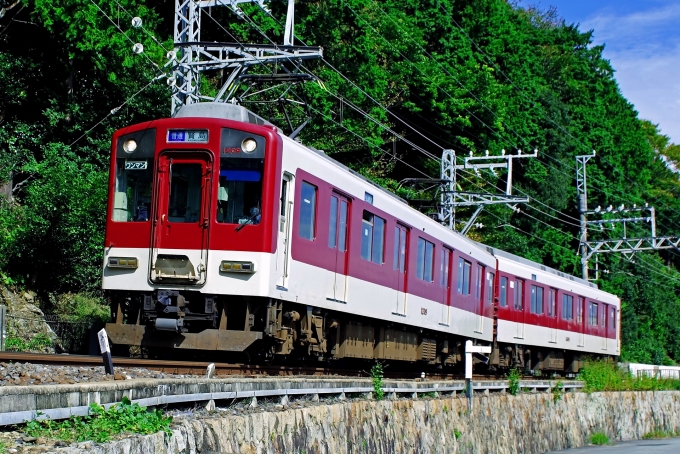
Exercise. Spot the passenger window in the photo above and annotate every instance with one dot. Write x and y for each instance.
(478, 283)
(337, 231)
(567, 307)
(603, 315)
(612, 318)
(519, 295)
(373, 238)
(579, 311)
(464, 268)
(504, 292)
(425, 258)
(307, 211)
(536, 300)
(592, 314)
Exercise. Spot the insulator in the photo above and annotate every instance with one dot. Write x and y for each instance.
(136, 22)
(138, 48)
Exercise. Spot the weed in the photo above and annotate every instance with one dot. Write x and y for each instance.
(656, 434)
(599, 438)
(606, 376)
(101, 424)
(3, 447)
(445, 409)
(456, 433)
(39, 342)
(557, 392)
(513, 381)
(377, 376)
(430, 394)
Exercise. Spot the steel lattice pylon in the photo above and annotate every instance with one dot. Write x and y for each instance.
(191, 57)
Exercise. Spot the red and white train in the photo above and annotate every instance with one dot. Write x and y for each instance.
(225, 235)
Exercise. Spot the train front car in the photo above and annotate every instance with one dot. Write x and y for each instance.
(191, 230)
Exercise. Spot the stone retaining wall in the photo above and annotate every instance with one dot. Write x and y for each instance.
(528, 423)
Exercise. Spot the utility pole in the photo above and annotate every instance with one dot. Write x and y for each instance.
(191, 57)
(450, 198)
(623, 245)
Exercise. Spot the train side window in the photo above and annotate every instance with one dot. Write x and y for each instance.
(333, 224)
(444, 265)
(489, 287)
(603, 315)
(307, 211)
(504, 292)
(399, 248)
(536, 300)
(519, 295)
(567, 307)
(612, 318)
(552, 303)
(372, 238)
(464, 268)
(592, 314)
(579, 311)
(425, 259)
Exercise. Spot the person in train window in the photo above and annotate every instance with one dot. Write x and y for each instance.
(255, 215)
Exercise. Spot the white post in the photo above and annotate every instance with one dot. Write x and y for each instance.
(469, 350)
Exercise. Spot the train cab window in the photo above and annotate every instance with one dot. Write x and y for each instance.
(239, 194)
(372, 238)
(307, 211)
(425, 259)
(503, 297)
(186, 184)
(552, 303)
(592, 314)
(464, 268)
(132, 197)
(536, 300)
(337, 232)
(400, 248)
(567, 307)
(444, 266)
(489, 287)
(519, 295)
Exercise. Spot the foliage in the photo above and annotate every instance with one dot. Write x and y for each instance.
(466, 74)
(81, 307)
(377, 377)
(514, 377)
(101, 424)
(657, 434)
(457, 433)
(599, 438)
(37, 343)
(557, 392)
(606, 376)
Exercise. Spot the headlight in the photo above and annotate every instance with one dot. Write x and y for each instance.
(130, 145)
(237, 267)
(248, 145)
(122, 262)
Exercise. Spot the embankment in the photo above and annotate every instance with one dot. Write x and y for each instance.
(527, 423)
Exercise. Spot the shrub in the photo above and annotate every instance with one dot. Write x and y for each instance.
(513, 381)
(606, 376)
(377, 376)
(599, 438)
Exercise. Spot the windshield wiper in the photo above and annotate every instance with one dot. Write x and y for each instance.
(248, 221)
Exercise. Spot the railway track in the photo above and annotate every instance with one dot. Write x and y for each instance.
(223, 369)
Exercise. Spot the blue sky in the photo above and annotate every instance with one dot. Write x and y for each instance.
(642, 40)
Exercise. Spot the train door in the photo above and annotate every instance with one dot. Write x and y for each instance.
(479, 298)
(181, 222)
(445, 271)
(519, 307)
(337, 242)
(552, 314)
(283, 246)
(401, 251)
(611, 326)
(580, 322)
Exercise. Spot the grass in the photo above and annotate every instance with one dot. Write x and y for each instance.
(557, 392)
(101, 424)
(513, 381)
(377, 377)
(606, 376)
(656, 434)
(16, 344)
(599, 438)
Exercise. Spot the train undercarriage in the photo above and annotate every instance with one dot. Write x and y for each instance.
(269, 330)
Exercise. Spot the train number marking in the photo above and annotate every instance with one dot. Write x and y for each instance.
(423, 311)
(232, 150)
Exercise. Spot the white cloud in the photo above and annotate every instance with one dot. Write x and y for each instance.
(644, 48)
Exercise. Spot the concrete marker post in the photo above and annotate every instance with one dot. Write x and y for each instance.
(469, 350)
(105, 351)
